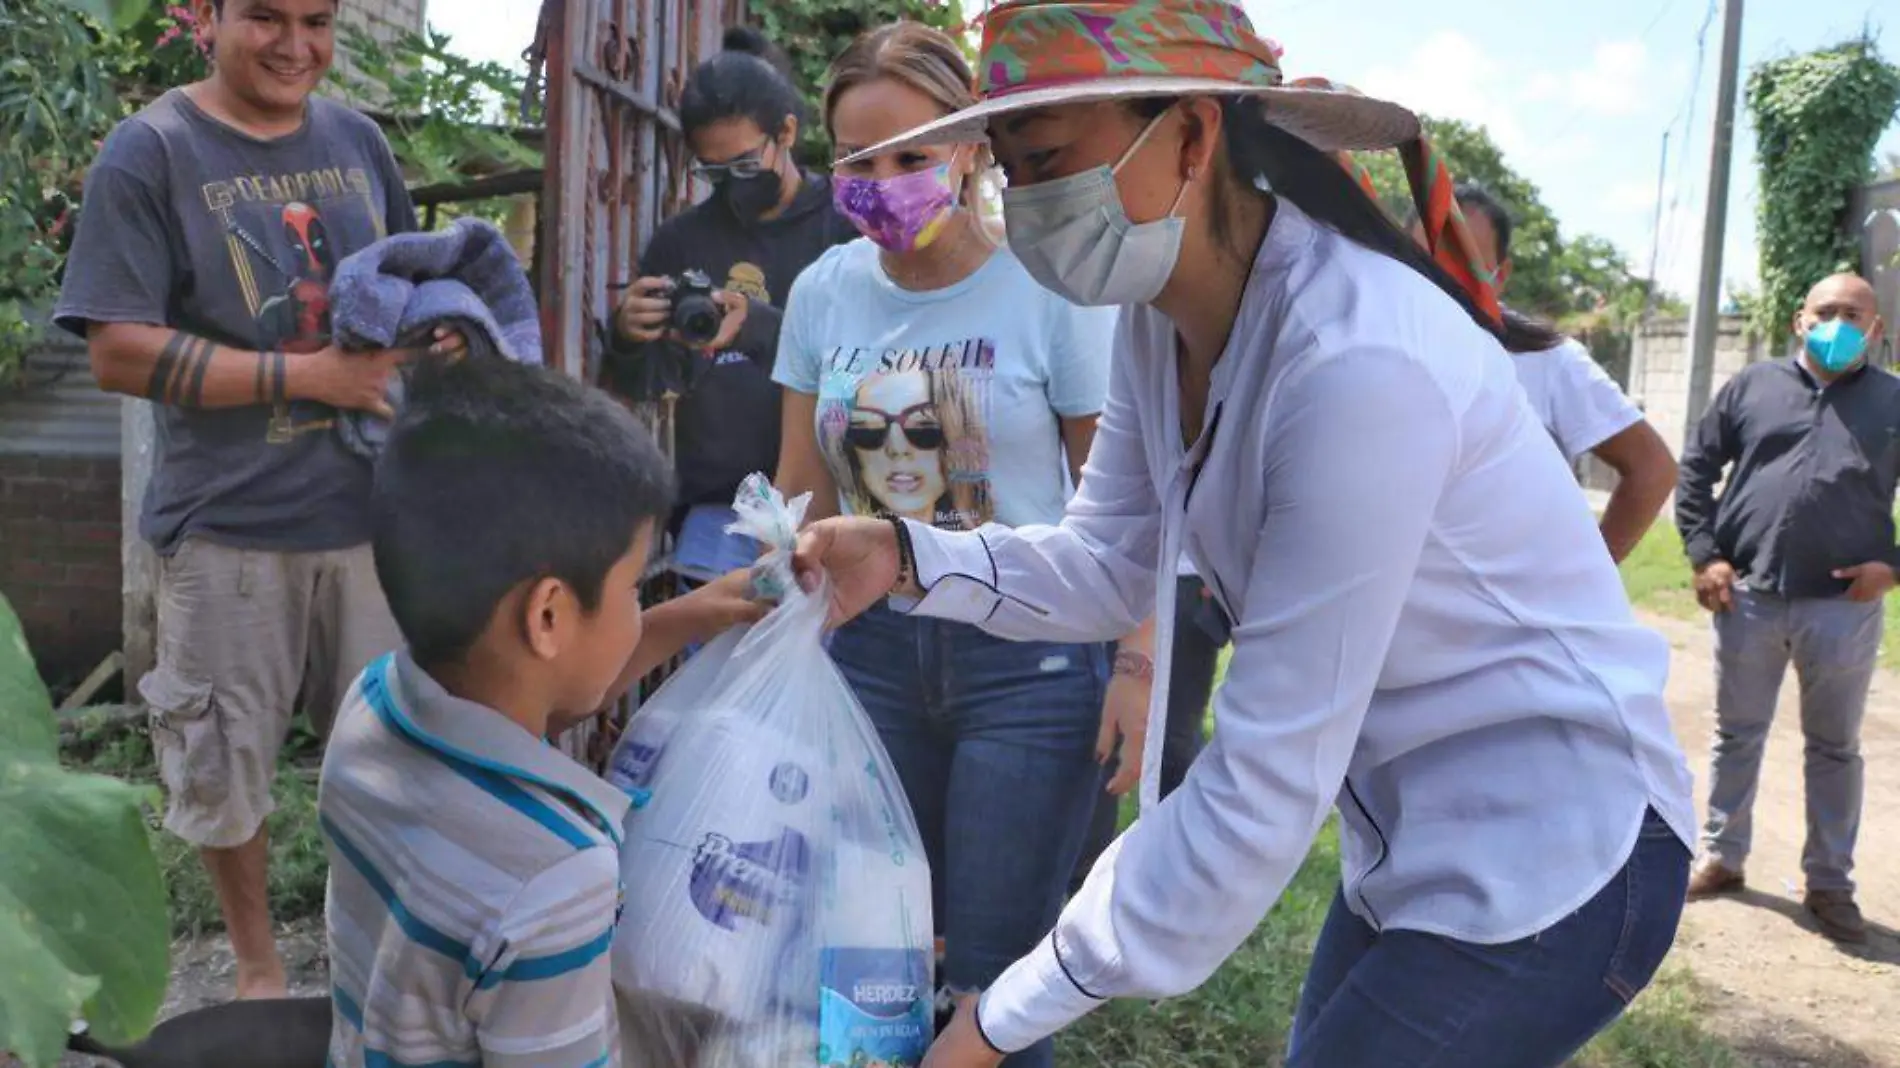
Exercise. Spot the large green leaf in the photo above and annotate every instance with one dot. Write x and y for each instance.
(26, 711)
(83, 931)
(115, 13)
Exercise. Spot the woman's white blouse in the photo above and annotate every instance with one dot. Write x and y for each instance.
(1429, 634)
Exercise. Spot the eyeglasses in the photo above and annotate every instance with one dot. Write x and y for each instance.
(868, 436)
(750, 165)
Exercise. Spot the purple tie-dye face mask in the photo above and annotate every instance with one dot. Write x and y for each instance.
(901, 214)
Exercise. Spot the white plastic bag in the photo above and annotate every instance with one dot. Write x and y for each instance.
(775, 881)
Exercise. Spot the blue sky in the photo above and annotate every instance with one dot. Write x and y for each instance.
(1577, 94)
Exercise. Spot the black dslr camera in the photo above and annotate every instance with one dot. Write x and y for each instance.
(696, 315)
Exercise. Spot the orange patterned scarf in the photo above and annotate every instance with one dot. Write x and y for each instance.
(1446, 236)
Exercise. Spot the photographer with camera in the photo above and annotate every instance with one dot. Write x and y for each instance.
(703, 320)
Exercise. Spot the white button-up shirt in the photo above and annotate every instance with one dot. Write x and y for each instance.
(1429, 634)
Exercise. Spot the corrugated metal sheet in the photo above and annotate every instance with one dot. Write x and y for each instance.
(58, 410)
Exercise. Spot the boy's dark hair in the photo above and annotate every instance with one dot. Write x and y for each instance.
(498, 474)
(1473, 197)
(751, 79)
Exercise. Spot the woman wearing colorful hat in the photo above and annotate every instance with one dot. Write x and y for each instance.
(1429, 635)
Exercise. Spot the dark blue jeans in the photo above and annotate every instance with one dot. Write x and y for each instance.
(994, 742)
(1200, 633)
(1403, 999)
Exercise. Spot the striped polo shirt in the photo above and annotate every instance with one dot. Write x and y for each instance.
(474, 886)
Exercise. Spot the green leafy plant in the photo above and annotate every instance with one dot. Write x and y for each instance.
(813, 32)
(163, 47)
(449, 115)
(83, 929)
(57, 99)
(1817, 118)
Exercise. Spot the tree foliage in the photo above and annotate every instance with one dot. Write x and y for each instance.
(1584, 279)
(57, 99)
(450, 115)
(1817, 118)
(813, 32)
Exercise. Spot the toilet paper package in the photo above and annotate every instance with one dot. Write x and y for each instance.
(636, 757)
(775, 882)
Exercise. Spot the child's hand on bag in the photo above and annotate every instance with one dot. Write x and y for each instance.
(727, 602)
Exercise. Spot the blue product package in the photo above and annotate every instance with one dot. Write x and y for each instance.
(874, 1008)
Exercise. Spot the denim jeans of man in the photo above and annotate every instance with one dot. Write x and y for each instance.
(1404, 999)
(994, 742)
(1834, 646)
(1200, 633)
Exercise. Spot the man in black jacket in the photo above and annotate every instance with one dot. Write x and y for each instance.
(1793, 560)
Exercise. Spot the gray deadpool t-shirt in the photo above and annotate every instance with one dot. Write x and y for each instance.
(191, 224)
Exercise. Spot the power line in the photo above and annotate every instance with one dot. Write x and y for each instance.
(1576, 112)
(1685, 112)
(1655, 228)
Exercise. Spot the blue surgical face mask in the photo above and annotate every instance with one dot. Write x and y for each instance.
(1835, 345)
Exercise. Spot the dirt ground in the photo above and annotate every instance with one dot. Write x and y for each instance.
(1782, 994)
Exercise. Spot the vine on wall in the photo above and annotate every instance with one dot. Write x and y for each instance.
(1817, 118)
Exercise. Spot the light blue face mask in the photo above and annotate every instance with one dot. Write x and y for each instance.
(1835, 345)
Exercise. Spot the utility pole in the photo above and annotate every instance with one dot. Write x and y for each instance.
(1706, 316)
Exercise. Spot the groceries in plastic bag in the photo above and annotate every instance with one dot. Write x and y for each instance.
(777, 896)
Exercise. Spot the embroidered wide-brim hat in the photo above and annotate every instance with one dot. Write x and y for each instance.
(1045, 53)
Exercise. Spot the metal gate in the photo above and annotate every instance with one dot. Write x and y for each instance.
(1876, 215)
(616, 162)
(611, 73)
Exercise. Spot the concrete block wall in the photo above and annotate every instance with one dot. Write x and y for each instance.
(385, 19)
(1659, 369)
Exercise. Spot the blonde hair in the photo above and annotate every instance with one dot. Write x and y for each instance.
(915, 55)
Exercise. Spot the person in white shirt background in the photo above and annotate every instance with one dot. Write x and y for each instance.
(1426, 631)
(1584, 409)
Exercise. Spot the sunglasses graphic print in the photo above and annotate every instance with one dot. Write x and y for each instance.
(906, 430)
(870, 428)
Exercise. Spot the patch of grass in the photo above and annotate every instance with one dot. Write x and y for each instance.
(1657, 575)
(1663, 1029)
(299, 866)
(1242, 1016)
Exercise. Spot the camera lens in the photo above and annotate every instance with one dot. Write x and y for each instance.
(697, 317)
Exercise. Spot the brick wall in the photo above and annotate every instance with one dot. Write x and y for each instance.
(59, 557)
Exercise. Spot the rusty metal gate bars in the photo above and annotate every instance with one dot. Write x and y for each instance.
(616, 166)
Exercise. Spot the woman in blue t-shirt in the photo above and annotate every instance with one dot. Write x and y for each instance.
(927, 376)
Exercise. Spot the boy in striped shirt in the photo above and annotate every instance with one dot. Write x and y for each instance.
(474, 876)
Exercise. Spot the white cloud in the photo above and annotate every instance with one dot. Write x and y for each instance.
(1449, 77)
(1614, 82)
(1634, 195)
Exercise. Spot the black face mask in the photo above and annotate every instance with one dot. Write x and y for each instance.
(750, 198)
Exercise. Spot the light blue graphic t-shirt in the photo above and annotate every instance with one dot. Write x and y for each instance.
(943, 406)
